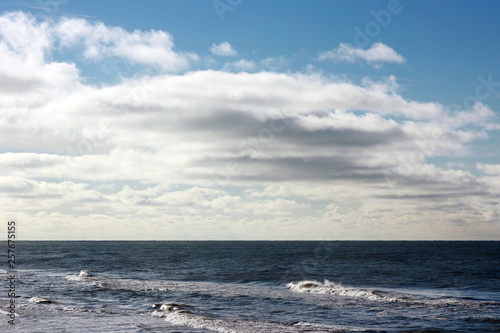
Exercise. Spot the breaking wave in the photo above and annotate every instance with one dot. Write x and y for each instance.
(331, 288)
(182, 315)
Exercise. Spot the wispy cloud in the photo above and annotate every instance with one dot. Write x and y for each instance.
(377, 54)
(240, 65)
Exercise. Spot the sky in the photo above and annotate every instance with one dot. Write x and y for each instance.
(250, 120)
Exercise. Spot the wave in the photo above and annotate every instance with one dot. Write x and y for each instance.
(306, 286)
(118, 284)
(212, 296)
(40, 300)
(185, 315)
(331, 288)
(179, 314)
(193, 287)
(84, 274)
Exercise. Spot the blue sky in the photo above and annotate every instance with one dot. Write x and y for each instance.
(250, 119)
(460, 34)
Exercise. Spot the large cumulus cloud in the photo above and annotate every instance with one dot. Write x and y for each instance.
(218, 154)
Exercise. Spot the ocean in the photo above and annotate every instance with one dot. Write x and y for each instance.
(254, 286)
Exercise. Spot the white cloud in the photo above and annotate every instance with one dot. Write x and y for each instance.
(222, 154)
(25, 77)
(275, 63)
(223, 49)
(489, 169)
(240, 65)
(377, 54)
(153, 48)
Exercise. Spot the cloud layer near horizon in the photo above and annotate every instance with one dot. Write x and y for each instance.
(209, 154)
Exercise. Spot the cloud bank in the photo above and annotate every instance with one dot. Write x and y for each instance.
(230, 154)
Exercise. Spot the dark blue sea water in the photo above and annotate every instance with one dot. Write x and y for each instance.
(256, 287)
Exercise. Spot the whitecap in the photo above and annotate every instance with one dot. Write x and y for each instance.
(40, 300)
(83, 273)
(331, 288)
